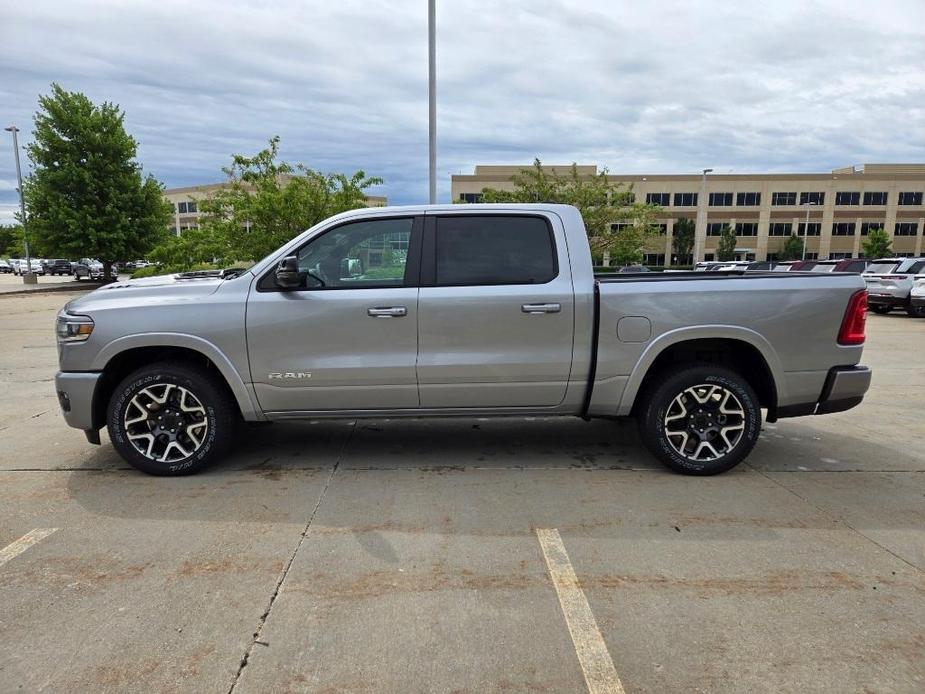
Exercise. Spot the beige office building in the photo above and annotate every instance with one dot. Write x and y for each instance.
(185, 203)
(841, 206)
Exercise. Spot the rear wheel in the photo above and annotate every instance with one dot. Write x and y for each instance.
(171, 419)
(879, 308)
(701, 420)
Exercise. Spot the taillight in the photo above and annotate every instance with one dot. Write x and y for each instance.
(892, 277)
(852, 325)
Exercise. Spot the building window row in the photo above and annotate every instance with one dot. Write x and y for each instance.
(910, 198)
(186, 207)
(470, 197)
(906, 229)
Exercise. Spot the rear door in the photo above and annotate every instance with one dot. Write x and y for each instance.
(495, 311)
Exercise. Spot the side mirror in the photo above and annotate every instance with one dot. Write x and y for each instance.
(287, 273)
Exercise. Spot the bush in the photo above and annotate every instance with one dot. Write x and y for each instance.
(155, 270)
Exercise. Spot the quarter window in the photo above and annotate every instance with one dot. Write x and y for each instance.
(478, 250)
(685, 199)
(748, 199)
(875, 198)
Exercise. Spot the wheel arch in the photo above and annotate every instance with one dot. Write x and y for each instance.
(742, 349)
(123, 356)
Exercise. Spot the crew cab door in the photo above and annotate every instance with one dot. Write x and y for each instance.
(346, 339)
(495, 311)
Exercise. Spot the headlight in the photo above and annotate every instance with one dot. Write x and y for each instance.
(73, 328)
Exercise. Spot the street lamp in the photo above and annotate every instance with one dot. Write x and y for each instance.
(432, 96)
(700, 227)
(28, 276)
(808, 204)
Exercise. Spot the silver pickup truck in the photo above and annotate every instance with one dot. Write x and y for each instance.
(456, 310)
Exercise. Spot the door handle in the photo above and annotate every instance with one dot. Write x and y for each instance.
(387, 312)
(541, 308)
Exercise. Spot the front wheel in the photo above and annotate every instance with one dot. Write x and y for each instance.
(700, 420)
(170, 418)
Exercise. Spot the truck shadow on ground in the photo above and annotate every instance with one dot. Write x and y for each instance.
(278, 472)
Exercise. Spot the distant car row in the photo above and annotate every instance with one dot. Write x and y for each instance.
(88, 268)
(891, 282)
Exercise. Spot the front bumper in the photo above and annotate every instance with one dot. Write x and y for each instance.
(75, 390)
(844, 388)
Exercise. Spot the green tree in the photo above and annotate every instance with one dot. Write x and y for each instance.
(614, 221)
(191, 247)
(682, 241)
(11, 240)
(793, 248)
(267, 202)
(726, 248)
(877, 244)
(86, 195)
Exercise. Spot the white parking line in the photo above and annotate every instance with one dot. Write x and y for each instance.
(596, 664)
(14, 549)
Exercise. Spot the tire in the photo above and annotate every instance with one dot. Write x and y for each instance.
(728, 401)
(915, 311)
(880, 308)
(185, 397)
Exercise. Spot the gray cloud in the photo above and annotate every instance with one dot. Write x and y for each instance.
(639, 87)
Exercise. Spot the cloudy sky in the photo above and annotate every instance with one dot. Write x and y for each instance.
(653, 86)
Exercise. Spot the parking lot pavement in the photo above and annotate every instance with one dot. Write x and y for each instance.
(404, 555)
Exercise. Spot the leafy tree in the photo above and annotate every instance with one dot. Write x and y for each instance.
(877, 244)
(11, 240)
(726, 248)
(793, 248)
(86, 195)
(267, 202)
(615, 222)
(682, 241)
(191, 247)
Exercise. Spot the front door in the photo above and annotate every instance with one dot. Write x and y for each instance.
(497, 320)
(347, 338)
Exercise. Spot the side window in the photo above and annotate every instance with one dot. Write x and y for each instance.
(505, 249)
(371, 253)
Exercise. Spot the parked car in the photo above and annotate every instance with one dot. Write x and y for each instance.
(57, 266)
(142, 263)
(35, 264)
(889, 284)
(856, 265)
(493, 310)
(634, 268)
(88, 268)
(5, 267)
(917, 296)
(760, 266)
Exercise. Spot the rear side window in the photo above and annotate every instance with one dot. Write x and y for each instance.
(473, 250)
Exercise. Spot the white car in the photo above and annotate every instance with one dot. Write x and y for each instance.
(917, 297)
(889, 283)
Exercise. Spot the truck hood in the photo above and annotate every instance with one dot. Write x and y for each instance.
(146, 291)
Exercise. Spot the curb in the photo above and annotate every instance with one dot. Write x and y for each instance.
(73, 287)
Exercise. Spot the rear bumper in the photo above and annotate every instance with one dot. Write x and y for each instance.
(75, 392)
(917, 301)
(844, 388)
(887, 300)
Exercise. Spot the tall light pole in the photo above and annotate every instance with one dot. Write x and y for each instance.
(432, 95)
(28, 276)
(700, 227)
(806, 228)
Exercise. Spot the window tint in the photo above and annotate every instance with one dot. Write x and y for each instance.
(881, 268)
(494, 250)
(910, 198)
(371, 253)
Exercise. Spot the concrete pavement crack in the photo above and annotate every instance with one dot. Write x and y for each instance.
(835, 519)
(285, 572)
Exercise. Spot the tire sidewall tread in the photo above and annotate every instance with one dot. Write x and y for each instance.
(659, 397)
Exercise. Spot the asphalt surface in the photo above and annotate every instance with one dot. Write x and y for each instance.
(405, 556)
